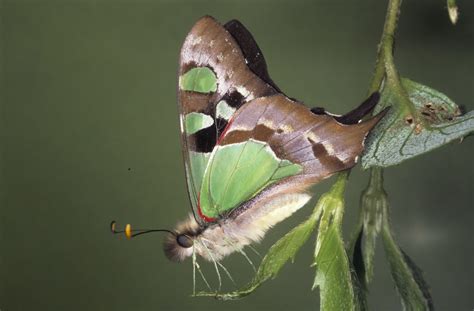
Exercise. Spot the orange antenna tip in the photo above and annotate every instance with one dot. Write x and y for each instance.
(128, 231)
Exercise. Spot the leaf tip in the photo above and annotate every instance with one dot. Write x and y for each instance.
(453, 13)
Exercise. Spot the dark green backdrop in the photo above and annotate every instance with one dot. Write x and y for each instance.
(90, 134)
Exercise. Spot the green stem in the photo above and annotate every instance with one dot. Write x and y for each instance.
(385, 65)
(386, 44)
(339, 189)
(340, 184)
(374, 195)
(376, 179)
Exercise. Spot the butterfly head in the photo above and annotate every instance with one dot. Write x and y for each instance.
(178, 244)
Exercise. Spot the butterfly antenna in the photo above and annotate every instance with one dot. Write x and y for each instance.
(131, 233)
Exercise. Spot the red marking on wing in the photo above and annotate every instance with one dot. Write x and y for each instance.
(200, 213)
(224, 131)
(203, 217)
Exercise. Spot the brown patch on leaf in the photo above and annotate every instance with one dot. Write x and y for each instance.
(418, 128)
(438, 113)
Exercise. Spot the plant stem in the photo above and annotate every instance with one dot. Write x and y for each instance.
(374, 195)
(385, 65)
(376, 178)
(385, 45)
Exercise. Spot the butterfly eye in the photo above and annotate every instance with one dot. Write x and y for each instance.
(184, 241)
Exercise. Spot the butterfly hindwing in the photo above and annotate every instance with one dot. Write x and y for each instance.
(319, 143)
(275, 140)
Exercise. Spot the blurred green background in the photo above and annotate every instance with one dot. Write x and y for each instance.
(89, 134)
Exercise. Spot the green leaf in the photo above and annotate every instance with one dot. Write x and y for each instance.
(421, 119)
(282, 251)
(358, 272)
(333, 273)
(408, 278)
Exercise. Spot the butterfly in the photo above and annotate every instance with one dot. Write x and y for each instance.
(250, 152)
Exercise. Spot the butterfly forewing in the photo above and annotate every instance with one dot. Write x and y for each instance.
(215, 80)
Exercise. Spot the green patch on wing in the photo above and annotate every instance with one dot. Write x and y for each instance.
(223, 110)
(199, 79)
(198, 166)
(196, 121)
(237, 172)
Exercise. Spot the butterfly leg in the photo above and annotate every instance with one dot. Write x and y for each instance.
(255, 251)
(215, 264)
(202, 276)
(194, 271)
(248, 259)
(227, 272)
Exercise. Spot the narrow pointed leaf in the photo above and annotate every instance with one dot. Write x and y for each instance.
(333, 271)
(333, 276)
(408, 278)
(358, 265)
(434, 121)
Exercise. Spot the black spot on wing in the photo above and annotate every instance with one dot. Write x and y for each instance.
(318, 110)
(204, 140)
(252, 53)
(234, 99)
(354, 116)
(220, 125)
